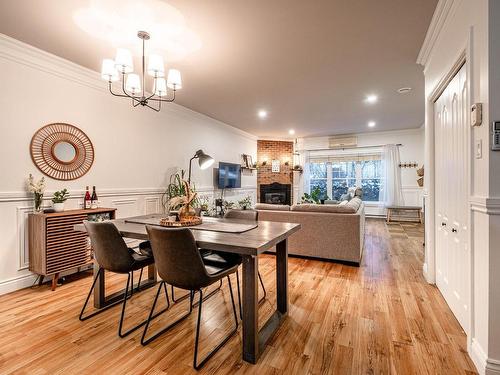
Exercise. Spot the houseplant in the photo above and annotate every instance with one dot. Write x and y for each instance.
(172, 198)
(245, 203)
(59, 198)
(37, 188)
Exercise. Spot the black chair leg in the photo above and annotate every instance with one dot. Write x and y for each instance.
(81, 317)
(151, 316)
(197, 365)
(120, 327)
(188, 294)
(263, 288)
(178, 299)
(140, 278)
(239, 293)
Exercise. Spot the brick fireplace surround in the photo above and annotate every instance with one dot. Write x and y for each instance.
(271, 150)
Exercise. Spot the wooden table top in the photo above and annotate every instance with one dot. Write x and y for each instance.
(252, 242)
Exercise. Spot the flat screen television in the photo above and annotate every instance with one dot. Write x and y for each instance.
(229, 176)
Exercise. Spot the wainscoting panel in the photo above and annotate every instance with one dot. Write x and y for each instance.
(22, 235)
(15, 207)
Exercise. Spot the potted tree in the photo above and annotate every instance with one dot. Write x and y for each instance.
(59, 198)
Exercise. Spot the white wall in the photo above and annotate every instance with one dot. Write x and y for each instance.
(412, 150)
(136, 149)
(471, 27)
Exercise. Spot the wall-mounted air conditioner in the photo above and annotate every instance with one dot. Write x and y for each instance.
(342, 142)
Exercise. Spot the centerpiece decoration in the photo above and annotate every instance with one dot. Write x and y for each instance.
(184, 199)
(37, 188)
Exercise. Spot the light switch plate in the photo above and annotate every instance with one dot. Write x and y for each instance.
(479, 148)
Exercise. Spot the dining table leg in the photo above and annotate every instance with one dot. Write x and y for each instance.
(255, 340)
(282, 276)
(250, 309)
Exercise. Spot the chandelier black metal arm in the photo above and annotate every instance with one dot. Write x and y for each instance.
(141, 98)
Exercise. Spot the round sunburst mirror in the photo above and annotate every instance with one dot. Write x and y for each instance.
(62, 151)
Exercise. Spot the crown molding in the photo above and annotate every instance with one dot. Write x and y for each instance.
(25, 54)
(441, 14)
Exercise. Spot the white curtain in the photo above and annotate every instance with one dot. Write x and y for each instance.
(391, 192)
(304, 160)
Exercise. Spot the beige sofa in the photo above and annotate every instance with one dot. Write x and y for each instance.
(333, 232)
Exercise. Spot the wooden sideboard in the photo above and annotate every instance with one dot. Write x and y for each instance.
(54, 246)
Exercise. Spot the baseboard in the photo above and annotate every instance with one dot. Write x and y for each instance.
(492, 367)
(425, 272)
(484, 365)
(16, 283)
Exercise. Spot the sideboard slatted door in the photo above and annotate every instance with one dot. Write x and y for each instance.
(54, 246)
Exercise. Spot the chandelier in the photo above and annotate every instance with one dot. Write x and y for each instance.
(133, 85)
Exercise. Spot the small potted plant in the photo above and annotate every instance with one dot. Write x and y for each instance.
(59, 198)
(245, 203)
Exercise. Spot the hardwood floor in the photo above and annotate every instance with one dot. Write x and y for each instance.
(380, 318)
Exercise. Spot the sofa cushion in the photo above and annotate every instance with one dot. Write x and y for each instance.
(331, 201)
(344, 208)
(272, 207)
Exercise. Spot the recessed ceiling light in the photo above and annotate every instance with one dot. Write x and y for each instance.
(370, 99)
(291, 132)
(404, 90)
(262, 113)
(372, 124)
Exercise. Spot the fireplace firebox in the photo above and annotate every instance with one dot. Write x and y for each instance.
(276, 193)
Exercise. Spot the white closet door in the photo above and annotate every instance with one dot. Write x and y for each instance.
(452, 249)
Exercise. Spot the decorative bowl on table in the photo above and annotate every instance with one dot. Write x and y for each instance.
(187, 221)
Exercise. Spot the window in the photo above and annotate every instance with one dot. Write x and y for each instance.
(371, 171)
(334, 176)
(343, 177)
(318, 177)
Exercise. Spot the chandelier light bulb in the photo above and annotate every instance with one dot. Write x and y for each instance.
(155, 66)
(160, 87)
(108, 71)
(123, 61)
(174, 79)
(133, 83)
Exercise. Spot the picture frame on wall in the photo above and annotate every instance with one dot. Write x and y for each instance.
(246, 161)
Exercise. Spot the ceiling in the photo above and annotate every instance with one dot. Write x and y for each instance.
(310, 64)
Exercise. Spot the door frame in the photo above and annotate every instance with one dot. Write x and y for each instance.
(429, 268)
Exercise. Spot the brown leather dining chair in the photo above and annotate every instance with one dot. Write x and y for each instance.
(180, 264)
(112, 254)
(219, 259)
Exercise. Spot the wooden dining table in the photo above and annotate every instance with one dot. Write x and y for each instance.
(249, 244)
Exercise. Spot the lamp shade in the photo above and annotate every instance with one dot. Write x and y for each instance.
(160, 87)
(155, 66)
(108, 71)
(133, 83)
(174, 79)
(204, 160)
(123, 61)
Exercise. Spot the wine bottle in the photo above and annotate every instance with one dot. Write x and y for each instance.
(87, 201)
(93, 200)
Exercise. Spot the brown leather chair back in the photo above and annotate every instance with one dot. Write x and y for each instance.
(110, 250)
(242, 214)
(177, 257)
